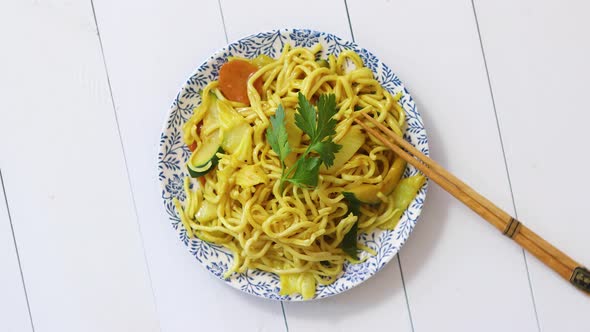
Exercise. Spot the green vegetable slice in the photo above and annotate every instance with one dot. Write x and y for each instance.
(348, 244)
(204, 158)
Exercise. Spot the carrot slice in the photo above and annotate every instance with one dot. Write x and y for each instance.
(202, 180)
(233, 80)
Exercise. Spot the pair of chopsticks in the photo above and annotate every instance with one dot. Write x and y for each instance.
(561, 263)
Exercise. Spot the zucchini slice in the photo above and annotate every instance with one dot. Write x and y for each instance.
(204, 158)
(365, 193)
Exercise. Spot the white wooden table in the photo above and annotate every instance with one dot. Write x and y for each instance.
(84, 88)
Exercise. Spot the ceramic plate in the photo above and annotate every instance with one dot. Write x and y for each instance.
(174, 154)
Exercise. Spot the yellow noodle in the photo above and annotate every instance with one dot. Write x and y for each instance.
(294, 230)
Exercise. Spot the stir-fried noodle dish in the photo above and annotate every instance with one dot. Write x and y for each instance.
(282, 176)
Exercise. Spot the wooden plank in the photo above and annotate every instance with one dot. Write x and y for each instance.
(150, 49)
(13, 302)
(380, 300)
(460, 273)
(70, 203)
(538, 63)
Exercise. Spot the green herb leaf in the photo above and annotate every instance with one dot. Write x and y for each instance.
(306, 172)
(277, 136)
(327, 151)
(321, 142)
(348, 244)
(354, 205)
(326, 121)
(319, 125)
(305, 118)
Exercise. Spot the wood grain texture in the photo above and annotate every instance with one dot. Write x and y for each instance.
(76, 217)
(79, 245)
(458, 270)
(537, 56)
(150, 49)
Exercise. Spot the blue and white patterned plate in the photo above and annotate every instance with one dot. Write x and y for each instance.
(174, 154)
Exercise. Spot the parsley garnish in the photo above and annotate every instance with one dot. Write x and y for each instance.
(277, 134)
(320, 126)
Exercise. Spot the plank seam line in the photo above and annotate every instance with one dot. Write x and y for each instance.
(20, 268)
(133, 202)
(349, 21)
(401, 272)
(284, 316)
(223, 20)
(485, 62)
(399, 262)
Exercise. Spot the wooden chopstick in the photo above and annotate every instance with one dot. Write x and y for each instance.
(561, 263)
